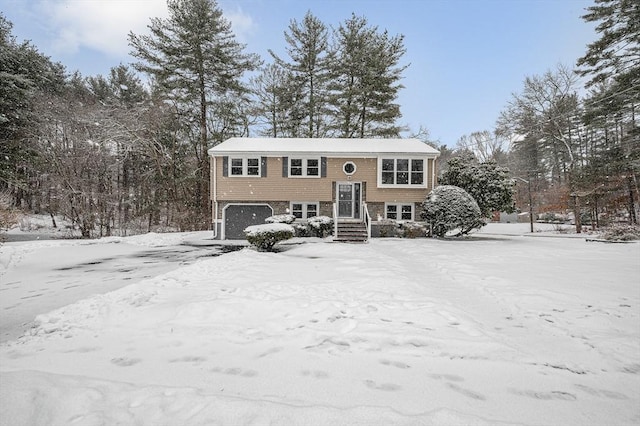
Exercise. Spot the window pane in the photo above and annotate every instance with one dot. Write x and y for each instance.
(387, 178)
(312, 210)
(417, 165)
(416, 178)
(392, 211)
(312, 168)
(236, 166)
(402, 178)
(253, 167)
(296, 210)
(406, 211)
(296, 167)
(403, 165)
(387, 164)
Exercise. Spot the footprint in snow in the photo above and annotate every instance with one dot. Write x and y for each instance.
(466, 392)
(189, 358)
(318, 374)
(389, 387)
(271, 351)
(565, 396)
(396, 364)
(235, 371)
(602, 392)
(448, 377)
(125, 362)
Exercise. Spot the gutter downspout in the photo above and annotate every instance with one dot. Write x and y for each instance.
(433, 173)
(215, 198)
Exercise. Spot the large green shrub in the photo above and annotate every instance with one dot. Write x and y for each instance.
(450, 208)
(264, 237)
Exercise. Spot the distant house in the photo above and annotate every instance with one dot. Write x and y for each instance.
(358, 182)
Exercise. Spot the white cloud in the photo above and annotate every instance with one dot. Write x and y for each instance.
(101, 25)
(242, 24)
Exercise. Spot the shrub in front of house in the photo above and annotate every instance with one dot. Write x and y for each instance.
(320, 226)
(450, 208)
(412, 229)
(264, 237)
(302, 230)
(281, 218)
(388, 228)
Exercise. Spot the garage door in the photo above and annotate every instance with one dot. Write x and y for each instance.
(239, 216)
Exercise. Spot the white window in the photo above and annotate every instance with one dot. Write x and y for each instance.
(398, 211)
(304, 209)
(244, 167)
(304, 167)
(401, 171)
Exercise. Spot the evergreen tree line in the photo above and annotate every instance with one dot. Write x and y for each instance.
(116, 154)
(575, 147)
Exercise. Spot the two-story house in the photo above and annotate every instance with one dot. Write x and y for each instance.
(351, 180)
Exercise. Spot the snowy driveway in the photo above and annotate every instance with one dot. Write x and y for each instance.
(38, 277)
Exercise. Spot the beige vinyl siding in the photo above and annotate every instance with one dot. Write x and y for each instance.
(272, 187)
(276, 187)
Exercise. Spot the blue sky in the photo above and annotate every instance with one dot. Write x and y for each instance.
(466, 57)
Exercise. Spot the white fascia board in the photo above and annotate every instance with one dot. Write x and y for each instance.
(336, 148)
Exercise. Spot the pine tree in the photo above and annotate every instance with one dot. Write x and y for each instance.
(310, 61)
(197, 63)
(613, 64)
(25, 76)
(616, 54)
(365, 80)
(273, 101)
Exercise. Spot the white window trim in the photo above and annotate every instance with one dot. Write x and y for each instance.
(399, 211)
(305, 161)
(245, 166)
(304, 208)
(425, 164)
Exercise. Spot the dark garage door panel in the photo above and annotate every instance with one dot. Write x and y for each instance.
(238, 217)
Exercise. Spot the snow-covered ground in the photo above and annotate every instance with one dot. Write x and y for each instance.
(38, 277)
(494, 329)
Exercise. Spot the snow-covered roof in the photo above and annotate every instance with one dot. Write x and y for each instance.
(323, 146)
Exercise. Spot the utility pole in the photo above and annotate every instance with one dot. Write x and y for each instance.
(528, 182)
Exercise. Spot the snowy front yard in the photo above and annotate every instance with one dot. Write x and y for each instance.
(494, 329)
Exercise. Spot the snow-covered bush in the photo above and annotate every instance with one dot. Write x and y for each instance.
(388, 228)
(412, 229)
(320, 226)
(302, 230)
(401, 229)
(448, 208)
(621, 233)
(490, 185)
(264, 237)
(281, 218)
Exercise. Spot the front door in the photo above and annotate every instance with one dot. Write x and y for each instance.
(349, 199)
